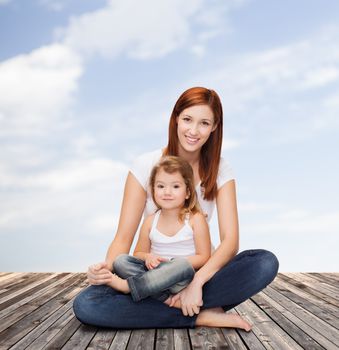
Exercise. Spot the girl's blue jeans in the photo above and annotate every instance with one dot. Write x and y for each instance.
(167, 278)
(245, 275)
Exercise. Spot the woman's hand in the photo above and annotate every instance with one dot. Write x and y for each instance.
(152, 261)
(99, 274)
(190, 298)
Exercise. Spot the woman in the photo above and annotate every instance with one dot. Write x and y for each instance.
(227, 279)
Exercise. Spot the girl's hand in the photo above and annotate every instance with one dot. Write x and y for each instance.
(190, 299)
(152, 261)
(99, 274)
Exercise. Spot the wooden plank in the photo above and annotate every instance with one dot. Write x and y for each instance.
(305, 341)
(18, 297)
(20, 329)
(324, 279)
(52, 331)
(333, 275)
(317, 324)
(102, 340)
(43, 333)
(313, 283)
(323, 304)
(61, 338)
(19, 281)
(81, 338)
(304, 302)
(62, 315)
(25, 299)
(141, 339)
(164, 339)
(242, 340)
(232, 339)
(6, 279)
(207, 338)
(181, 339)
(308, 289)
(20, 289)
(305, 328)
(267, 331)
(120, 340)
(24, 310)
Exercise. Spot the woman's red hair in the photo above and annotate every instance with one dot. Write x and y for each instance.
(211, 150)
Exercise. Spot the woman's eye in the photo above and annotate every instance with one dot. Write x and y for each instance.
(206, 124)
(186, 119)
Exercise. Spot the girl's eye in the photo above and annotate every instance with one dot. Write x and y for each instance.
(160, 186)
(176, 186)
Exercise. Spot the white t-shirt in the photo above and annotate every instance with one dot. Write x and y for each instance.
(143, 166)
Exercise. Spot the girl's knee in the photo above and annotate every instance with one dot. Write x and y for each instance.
(119, 262)
(182, 264)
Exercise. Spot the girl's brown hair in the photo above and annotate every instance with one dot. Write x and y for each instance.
(210, 152)
(171, 165)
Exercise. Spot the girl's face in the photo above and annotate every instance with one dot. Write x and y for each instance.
(195, 125)
(170, 190)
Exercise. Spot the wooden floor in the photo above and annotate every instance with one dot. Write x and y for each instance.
(297, 311)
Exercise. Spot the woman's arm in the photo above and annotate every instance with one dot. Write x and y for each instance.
(132, 207)
(191, 296)
(202, 241)
(228, 231)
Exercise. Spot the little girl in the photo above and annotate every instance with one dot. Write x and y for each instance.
(173, 242)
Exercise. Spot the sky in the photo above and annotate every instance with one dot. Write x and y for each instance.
(86, 86)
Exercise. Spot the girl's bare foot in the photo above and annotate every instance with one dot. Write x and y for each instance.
(119, 284)
(217, 317)
(177, 304)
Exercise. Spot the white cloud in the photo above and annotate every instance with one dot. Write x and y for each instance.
(297, 222)
(320, 77)
(228, 144)
(37, 88)
(53, 5)
(280, 84)
(77, 190)
(147, 29)
(73, 174)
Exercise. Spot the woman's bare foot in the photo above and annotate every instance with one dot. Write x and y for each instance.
(217, 317)
(119, 284)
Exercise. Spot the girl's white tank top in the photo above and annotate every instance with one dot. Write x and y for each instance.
(180, 245)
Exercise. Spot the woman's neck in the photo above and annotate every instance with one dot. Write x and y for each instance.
(192, 158)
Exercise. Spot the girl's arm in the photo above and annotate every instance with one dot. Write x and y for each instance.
(143, 246)
(202, 241)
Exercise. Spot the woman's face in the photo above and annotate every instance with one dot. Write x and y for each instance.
(195, 125)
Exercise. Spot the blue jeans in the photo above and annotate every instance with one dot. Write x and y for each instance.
(245, 275)
(167, 278)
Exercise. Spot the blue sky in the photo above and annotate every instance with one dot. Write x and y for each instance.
(86, 86)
